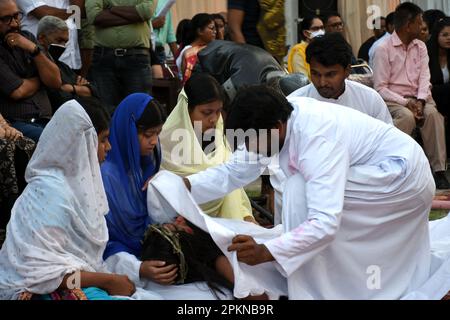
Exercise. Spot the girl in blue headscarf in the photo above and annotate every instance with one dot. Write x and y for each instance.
(134, 159)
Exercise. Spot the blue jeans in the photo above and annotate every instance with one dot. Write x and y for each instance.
(118, 77)
(30, 130)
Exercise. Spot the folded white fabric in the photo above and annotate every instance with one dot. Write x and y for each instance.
(168, 197)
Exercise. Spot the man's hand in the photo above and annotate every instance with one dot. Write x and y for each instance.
(416, 107)
(9, 133)
(15, 39)
(158, 272)
(120, 285)
(249, 252)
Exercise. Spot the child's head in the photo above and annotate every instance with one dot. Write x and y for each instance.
(149, 126)
(205, 100)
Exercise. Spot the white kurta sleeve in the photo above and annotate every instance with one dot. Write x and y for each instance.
(215, 183)
(324, 164)
(127, 264)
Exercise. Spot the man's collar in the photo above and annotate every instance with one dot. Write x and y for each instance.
(397, 42)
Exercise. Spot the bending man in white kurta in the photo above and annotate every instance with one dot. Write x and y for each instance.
(356, 201)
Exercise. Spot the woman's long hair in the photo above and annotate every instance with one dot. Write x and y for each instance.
(433, 51)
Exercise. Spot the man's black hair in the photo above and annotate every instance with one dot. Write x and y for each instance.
(329, 15)
(405, 13)
(329, 50)
(390, 19)
(258, 107)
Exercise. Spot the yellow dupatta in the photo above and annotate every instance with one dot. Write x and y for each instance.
(183, 155)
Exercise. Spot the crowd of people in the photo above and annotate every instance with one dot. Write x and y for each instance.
(82, 137)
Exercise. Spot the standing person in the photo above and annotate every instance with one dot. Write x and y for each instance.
(358, 193)
(64, 235)
(402, 78)
(243, 17)
(24, 71)
(164, 33)
(439, 53)
(310, 28)
(121, 58)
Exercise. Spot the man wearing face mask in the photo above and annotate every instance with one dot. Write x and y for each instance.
(24, 73)
(53, 35)
(310, 28)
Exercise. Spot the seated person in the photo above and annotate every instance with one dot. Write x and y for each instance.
(402, 78)
(198, 114)
(390, 28)
(134, 159)
(310, 28)
(203, 31)
(24, 73)
(53, 35)
(57, 233)
(193, 250)
(15, 152)
(330, 59)
(333, 22)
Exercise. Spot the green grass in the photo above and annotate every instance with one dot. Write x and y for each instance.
(438, 214)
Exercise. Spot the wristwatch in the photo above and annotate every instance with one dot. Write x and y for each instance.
(35, 52)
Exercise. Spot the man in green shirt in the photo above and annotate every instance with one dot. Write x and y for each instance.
(163, 30)
(121, 60)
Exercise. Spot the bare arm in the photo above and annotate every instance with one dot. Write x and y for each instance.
(127, 12)
(106, 19)
(28, 88)
(113, 284)
(235, 21)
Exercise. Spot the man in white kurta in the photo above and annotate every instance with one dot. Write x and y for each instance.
(330, 59)
(355, 207)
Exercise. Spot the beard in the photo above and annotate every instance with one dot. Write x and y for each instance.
(11, 30)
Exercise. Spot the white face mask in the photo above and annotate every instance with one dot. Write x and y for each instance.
(317, 33)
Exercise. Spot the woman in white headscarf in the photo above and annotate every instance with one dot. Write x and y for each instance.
(57, 233)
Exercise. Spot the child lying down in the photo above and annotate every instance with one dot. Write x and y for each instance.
(194, 252)
(167, 199)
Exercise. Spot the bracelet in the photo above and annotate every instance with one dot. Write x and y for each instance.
(35, 52)
(74, 92)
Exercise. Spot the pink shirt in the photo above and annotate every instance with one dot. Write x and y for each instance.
(401, 71)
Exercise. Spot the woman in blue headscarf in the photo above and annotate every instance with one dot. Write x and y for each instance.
(134, 159)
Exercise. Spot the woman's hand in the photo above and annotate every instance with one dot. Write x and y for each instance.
(9, 133)
(158, 272)
(120, 285)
